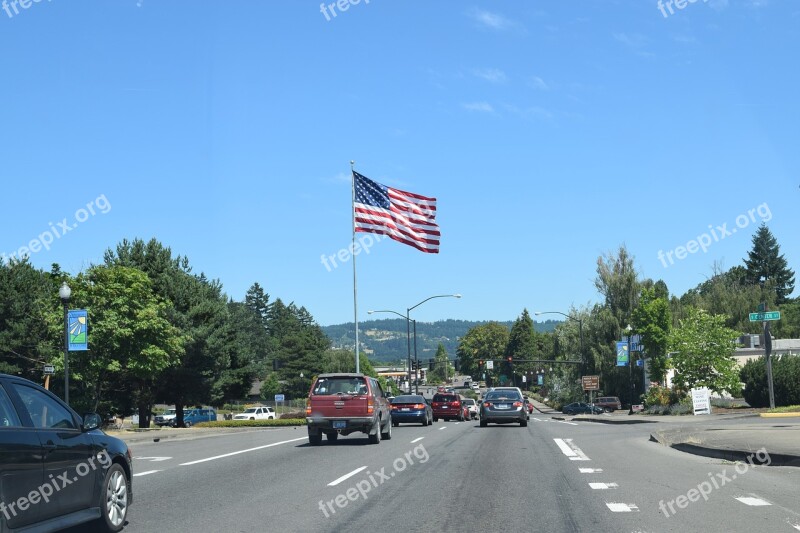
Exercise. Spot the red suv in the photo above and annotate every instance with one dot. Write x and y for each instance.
(448, 405)
(340, 404)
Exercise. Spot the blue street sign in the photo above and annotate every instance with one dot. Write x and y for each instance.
(639, 362)
(78, 337)
(279, 397)
(540, 379)
(623, 357)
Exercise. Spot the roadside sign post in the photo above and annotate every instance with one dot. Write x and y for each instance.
(49, 370)
(766, 317)
(590, 383)
(279, 398)
(701, 401)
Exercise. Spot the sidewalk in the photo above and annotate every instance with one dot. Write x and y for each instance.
(780, 440)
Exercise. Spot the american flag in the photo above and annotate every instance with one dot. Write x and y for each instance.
(403, 216)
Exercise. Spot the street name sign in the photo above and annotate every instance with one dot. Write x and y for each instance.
(768, 315)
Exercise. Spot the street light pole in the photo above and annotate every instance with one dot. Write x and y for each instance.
(629, 331)
(416, 361)
(64, 292)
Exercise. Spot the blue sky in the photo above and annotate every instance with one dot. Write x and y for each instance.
(550, 133)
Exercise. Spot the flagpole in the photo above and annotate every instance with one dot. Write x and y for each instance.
(355, 284)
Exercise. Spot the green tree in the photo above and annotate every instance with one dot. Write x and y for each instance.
(521, 341)
(764, 261)
(703, 353)
(336, 360)
(441, 368)
(270, 387)
(653, 320)
(486, 341)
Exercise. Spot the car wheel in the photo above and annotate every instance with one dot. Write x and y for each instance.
(435, 419)
(608, 410)
(113, 500)
(187, 424)
(523, 423)
(387, 435)
(332, 436)
(251, 418)
(483, 422)
(376, 437)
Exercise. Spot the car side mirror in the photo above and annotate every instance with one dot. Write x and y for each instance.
(524, 397)
(91, 421)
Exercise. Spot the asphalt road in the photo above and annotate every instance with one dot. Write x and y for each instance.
(550, 476)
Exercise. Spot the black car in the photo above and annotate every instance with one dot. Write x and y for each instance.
(58, 470)
(578, 408)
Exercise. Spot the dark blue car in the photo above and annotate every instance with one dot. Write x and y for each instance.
(411, 408)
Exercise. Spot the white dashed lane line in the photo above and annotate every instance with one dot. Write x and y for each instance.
(570, 450)
(346, 476)
(417, 440)
(242, 451)
(603, 486)
(146, 473)
(591, 470)
(622, 507)
(752, 501)
(443, 427)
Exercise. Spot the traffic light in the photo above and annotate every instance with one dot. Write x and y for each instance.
(430, 364)
(480, 364)
(510, 359)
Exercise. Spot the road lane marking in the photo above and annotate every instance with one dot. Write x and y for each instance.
(443, 427)
(622, 507)
(346, 476)
(570, 450)
(796, 526)
(241, 451)
(591, 470)
(755, 502)
(417, 440)
(603, 486)
(153, 459)
(570, 423)
(146, 473)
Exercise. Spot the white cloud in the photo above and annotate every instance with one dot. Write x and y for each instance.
(493, 21)
(538, 83)
(482, 107)
(493, 75)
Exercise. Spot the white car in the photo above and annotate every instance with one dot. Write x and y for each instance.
(472, 405)
(257, 413)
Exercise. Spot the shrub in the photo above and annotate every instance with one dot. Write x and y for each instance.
(786, 381)
(293, 415)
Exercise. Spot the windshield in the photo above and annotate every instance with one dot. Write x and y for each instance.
(349, 386)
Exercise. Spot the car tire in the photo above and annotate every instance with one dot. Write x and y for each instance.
(483, 422)
(523, 423)
(314, 439)
(332, 436)
(387, 435)
(608, 410)
(375, 438)
(113, 500)
(435, 419)
(187, 424)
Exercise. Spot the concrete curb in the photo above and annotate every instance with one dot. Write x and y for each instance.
(610, 421)
(779, 415)
(777, 459)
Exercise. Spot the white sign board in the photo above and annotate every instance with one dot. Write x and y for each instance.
(489, 365)
(701, 400)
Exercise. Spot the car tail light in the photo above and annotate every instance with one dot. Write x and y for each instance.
(487, 404)
(455, 403)
(308, 407)
(418, 406)
(370, 406)
(517, 404)
(395, 407)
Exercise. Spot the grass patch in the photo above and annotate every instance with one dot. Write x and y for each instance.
(785, 409)
(281, 422)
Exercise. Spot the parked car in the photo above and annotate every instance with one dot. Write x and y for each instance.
(195, 416)
(257, 413)
(581, 408)
(472, 407)
(411, 408)
(608, 403)
(503, 407)
(341, 404)
(165, 419)
(41, 437)
(529, 406)
(447, 405)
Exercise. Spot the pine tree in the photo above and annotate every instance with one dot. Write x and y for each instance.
(766, 262)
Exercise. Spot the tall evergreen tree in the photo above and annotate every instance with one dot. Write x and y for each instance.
(521, 341)
(764, 261)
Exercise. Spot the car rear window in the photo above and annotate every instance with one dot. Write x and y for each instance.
(445, 398)
(340, 385)
(503, 395)
(409, 399)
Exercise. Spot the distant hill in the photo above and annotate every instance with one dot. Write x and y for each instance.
(385, 340)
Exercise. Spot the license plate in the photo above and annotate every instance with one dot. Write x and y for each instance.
(339, 424)
(405, 409)
(502, 406)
